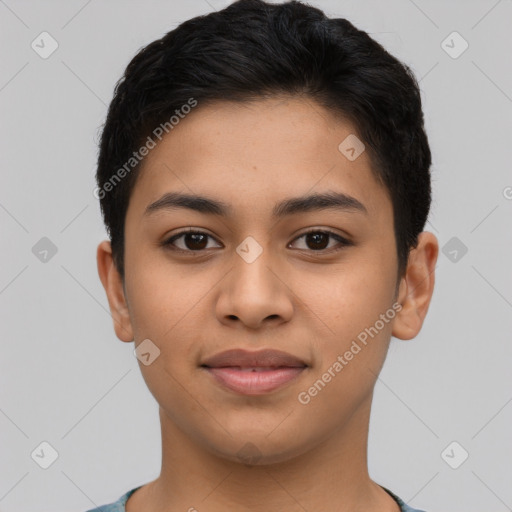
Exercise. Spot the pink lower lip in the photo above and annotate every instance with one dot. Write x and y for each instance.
(254, 382)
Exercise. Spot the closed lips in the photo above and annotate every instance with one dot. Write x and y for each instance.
(258, 361)
(253, 373)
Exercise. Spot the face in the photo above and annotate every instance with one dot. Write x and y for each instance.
(261, 266)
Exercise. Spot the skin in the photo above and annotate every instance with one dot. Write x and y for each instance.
(294, 297)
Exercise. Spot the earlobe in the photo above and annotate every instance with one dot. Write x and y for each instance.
(416, 287)
(113, 285)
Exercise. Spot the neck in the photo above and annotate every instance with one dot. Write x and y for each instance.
(331, 475)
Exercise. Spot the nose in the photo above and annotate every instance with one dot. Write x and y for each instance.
(254, 294)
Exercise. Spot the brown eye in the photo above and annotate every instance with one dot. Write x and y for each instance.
(319, 241)
(189, 241)
(195, 241)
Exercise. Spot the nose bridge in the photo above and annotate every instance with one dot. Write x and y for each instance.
(252, 266)
(253, 290)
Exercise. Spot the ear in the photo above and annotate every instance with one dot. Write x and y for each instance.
(113, 284)
(416, 287)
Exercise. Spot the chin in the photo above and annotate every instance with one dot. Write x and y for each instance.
(258, 449)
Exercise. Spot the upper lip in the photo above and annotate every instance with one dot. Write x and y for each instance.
(246, 359)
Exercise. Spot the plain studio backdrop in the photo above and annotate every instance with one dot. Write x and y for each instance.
(442, 413)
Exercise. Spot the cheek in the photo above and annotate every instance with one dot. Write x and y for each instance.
(162, 310)
(356, 308)
(160, 297)
(354, 298)
(167, 307)
(352, 353)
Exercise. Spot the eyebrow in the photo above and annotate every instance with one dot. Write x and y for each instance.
(295, 205)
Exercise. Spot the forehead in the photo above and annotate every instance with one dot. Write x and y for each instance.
(252, 154)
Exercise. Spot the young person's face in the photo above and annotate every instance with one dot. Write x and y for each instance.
(253, 281)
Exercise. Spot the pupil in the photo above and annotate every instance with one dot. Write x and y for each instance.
(317, 240)
(196, 239)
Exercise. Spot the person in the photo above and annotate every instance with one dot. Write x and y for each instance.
(264, 177)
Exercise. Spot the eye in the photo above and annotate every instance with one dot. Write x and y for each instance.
(193, 241)
(318, 240)
(197, 241)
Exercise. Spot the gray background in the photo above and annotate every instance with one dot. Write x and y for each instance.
(67, 380)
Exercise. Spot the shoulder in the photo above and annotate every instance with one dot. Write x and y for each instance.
(406, 508)
(117, 506)
(403, 506)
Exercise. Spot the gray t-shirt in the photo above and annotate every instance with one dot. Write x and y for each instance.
(119, 505)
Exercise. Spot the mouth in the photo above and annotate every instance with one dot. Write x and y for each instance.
(254, 373)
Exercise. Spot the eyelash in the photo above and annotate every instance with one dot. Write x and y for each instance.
(168, 243)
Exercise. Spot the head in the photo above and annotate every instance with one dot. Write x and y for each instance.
(252, 127)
